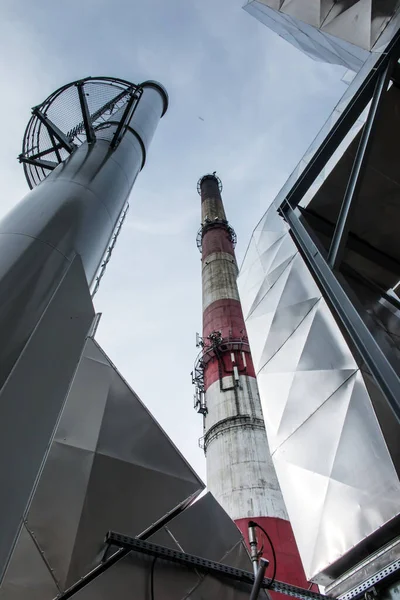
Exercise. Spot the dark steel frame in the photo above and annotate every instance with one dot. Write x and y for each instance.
(343, 124)
(322, 267)
(340, 235)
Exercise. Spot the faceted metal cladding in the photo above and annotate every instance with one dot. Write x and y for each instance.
(341, 33)
(110, 466)
(240, 472)
(332, 462)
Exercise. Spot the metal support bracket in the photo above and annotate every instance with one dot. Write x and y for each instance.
(90, 136)
(54, 130)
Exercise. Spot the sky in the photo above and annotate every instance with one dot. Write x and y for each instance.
(261, 103)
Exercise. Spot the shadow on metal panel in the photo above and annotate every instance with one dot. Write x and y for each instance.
(33, 396)
(203, 529)
(110, 466)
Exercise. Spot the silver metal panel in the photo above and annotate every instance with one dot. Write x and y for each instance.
(66, 213)
(203, 529)
(29, 274)
(88, 395)
(129, 433)
(34, 394)
(337, 32)
(27, 574)
(55, 511)
(131, 501)
(333, 464)
(110, 466)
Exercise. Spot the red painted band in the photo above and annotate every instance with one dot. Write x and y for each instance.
(224, 365)
(289, 568)
(225, 316)
(216, 239)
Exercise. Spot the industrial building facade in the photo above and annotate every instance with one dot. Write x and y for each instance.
(344, 32)
(319, 290)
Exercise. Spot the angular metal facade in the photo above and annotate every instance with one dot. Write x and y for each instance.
(333, 465)
(34, 394)
(204, 529)
(51, 246)
(110, 466)
(336, 32)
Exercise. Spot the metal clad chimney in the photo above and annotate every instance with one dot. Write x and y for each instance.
(82, 151)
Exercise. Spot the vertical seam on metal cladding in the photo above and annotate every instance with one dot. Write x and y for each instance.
(41, 553)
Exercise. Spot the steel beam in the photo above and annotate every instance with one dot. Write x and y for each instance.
(342, 125)
(368, 348)
(45, 164)
(321, 225)
(90, 136)
(44, 152)
(93, 574)
(126, 117)
(339, 239)
(54, 130)
(208, 567)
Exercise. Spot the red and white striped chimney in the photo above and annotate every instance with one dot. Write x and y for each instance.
(240, 472)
